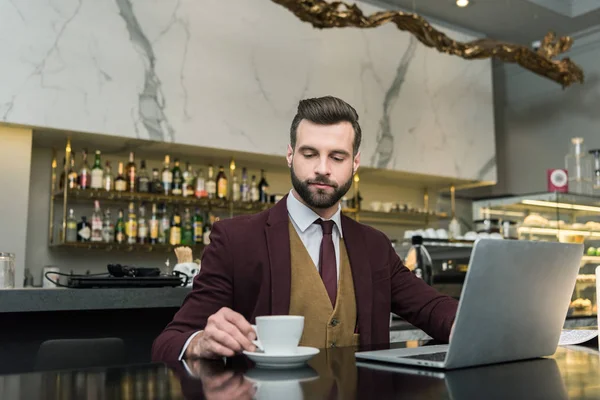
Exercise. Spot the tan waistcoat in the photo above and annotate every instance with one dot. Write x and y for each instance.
(324, 325)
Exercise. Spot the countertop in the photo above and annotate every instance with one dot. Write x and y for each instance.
(61, 299)
(571, 373)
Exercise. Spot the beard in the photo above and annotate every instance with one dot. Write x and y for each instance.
(321, 198)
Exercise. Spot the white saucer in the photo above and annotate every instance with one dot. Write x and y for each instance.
(296, 360)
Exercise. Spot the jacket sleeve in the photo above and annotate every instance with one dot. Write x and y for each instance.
(420, 304)
(212, 289)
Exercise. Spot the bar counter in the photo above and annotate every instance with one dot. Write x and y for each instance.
(571, 373)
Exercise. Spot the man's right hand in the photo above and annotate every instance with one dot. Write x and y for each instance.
(226, 334)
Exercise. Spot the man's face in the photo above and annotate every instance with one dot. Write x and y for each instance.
(321, 164)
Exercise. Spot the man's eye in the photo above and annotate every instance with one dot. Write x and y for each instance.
(308, 155)
(338, 159)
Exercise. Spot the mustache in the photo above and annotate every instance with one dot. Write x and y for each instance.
(321, 180)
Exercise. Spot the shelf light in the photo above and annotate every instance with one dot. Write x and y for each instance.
(555, 231)
(462, 3)
(564, 206)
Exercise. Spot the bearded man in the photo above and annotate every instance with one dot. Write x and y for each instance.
(304, 257)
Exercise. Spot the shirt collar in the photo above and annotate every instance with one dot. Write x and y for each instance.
(304, 217)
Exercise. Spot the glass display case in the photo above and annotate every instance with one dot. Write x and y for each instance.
(558, 217)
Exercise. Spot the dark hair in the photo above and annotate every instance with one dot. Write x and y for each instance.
(326, 110)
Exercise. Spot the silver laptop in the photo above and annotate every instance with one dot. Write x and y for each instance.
(513, 306)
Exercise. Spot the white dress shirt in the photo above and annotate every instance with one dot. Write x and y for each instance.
(311, 234)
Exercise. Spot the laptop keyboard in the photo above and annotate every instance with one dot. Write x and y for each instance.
(429, 357)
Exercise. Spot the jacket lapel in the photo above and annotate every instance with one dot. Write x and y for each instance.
(278, 246)
(361, 275)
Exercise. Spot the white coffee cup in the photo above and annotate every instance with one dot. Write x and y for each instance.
(52, 274)
(278, 334)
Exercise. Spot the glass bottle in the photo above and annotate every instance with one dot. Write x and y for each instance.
(120, 182)
(84, 230)
(198, 227)
(84, 173)
(579, 167)
(221, 183)
(131, 173)
(71, 235)
(97, 173)
(142, 226)
(108, 183)
(131, 225)
(188, 181)
(596, 180)
(167, 176)
(72, 177)
(175, 232)
(164, 231)
(177, 189)
(120, 236)
(254, 193)
(263, 188)
(154, 225)
(187, 228)
(108, 229)
(244, 187)
(96, 223)
(143, 179)
(156, 186)
(201, 185)
(211, 184)
(235, 189)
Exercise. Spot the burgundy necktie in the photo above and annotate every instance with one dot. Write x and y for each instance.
(327, 262)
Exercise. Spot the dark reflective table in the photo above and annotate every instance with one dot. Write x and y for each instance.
(571, 373)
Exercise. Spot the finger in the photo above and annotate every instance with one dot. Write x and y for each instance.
(240, 322)
(218, 382)
(236, 334)
(224, 339)
(217, 349)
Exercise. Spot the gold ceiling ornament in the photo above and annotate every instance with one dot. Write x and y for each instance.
(338, 14)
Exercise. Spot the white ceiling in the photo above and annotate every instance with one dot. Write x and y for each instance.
(520, 21)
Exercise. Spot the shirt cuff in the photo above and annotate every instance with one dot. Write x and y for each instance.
(186, 344)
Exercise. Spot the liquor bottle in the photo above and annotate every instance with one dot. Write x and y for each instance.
(108, 229)
(131, 225)
(142, 226)
(167, 177)
(221, 183)
(198, 227)
(96, 223)
(72, 177)
(97, 173)
(143, 179)
(108, 183)
(120, 234)
(71, 234)
(131, 173)
(254, 194)
(235, 189)
(177, 189)
(263, 188)
(211, 184)
(244, 187)
(175, 232)
(120, 182)
(201, 185)
(84, 230)
(207, 230)
(154, 224)
(156, 186)
(84, 173)
(164, 232)
(188, 181)
(187, 228)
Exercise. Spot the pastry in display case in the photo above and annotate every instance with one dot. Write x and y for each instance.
(553, 217)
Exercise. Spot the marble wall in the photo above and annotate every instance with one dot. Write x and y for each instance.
(229, 74)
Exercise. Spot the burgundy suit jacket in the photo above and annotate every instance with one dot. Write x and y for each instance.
(247, 267)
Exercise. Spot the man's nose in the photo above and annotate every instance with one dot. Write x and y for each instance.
(323, 166)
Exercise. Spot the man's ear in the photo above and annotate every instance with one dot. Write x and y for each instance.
(289, 156)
